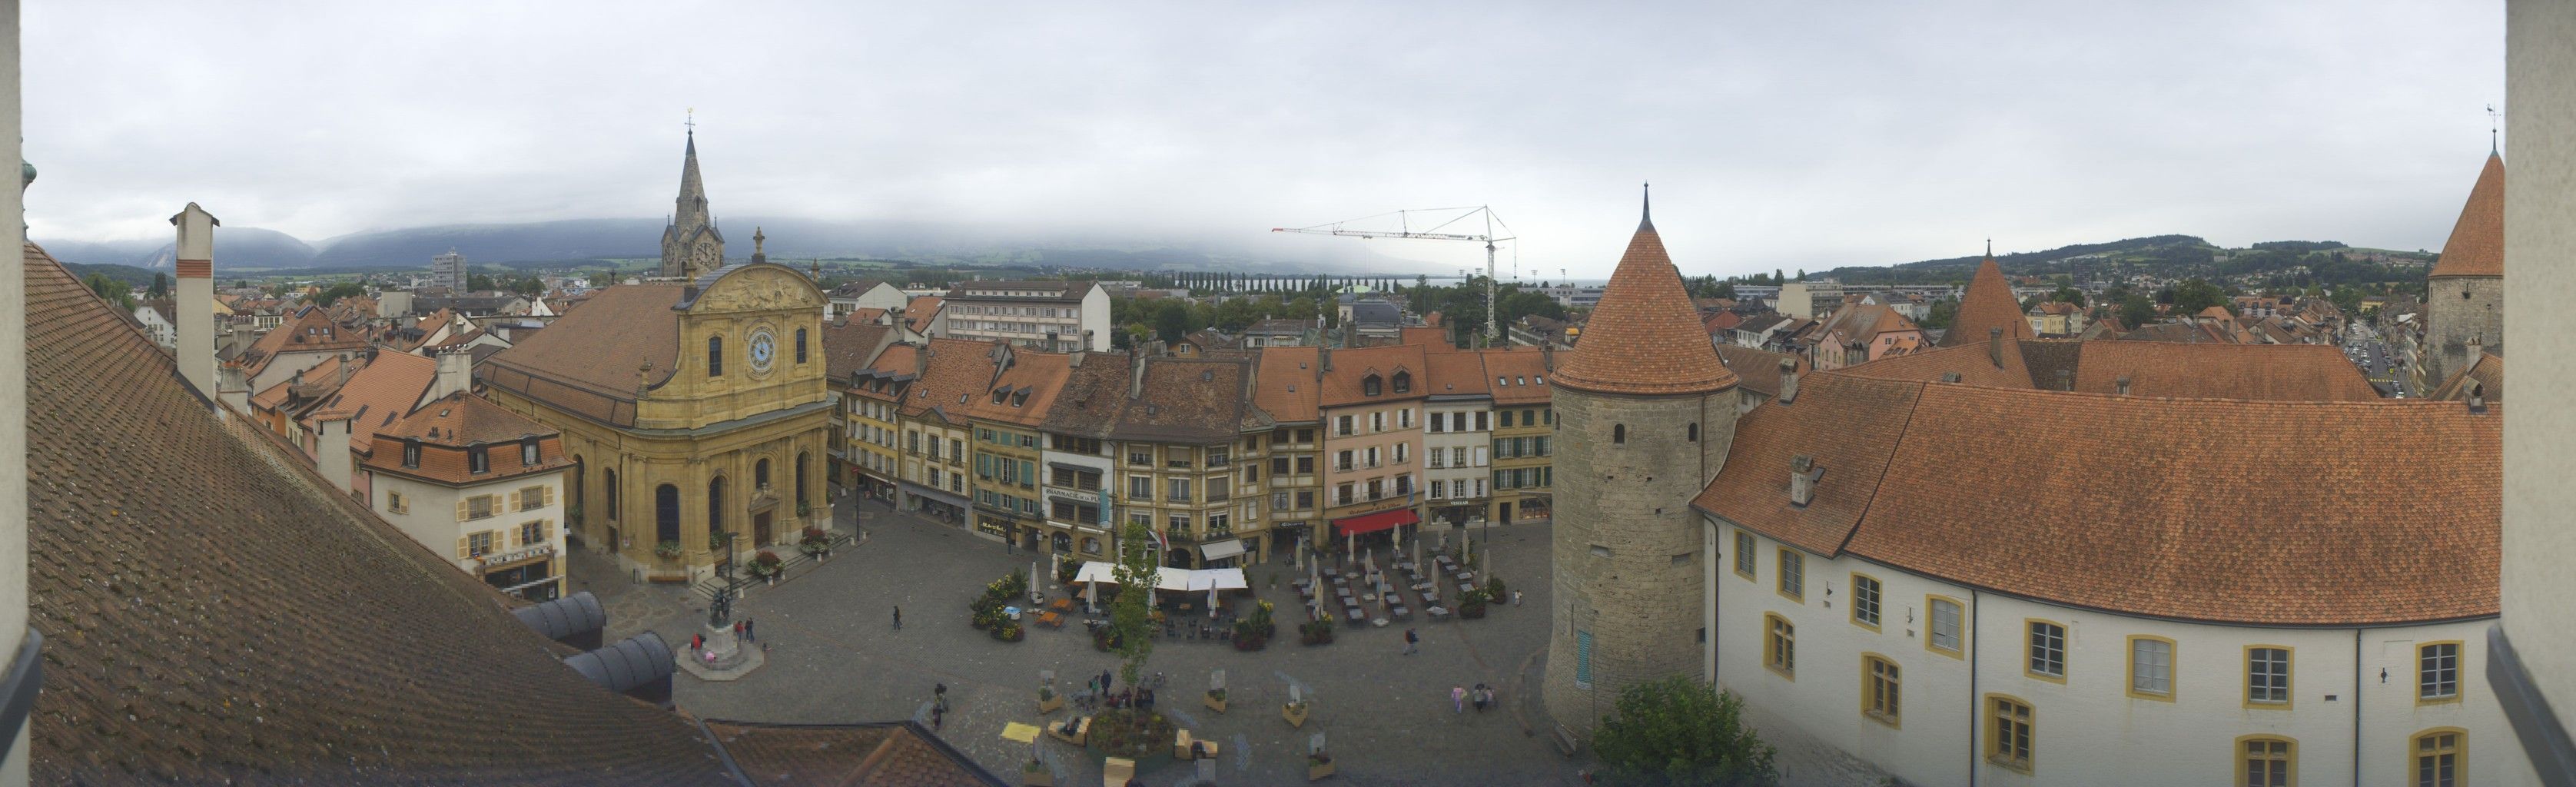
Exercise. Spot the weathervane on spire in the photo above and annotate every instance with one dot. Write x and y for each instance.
(1990, 248)
(1646, 213)
(692, 122)
(2495, 123)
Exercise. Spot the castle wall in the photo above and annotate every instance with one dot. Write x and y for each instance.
(1627, 547)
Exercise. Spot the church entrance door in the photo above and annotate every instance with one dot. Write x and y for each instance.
(760, 529)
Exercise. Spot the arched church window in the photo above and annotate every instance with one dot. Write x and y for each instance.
(715, 356)
(800, 345)
(1694, 432)
(1619, 433)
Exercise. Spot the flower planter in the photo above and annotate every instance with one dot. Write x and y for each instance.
(1318, 770)
(1214, 701)
(1050, 704)
(1037, 779)
(1295, 714)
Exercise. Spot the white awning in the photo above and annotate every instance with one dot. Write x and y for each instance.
(1096, 571)
(1169, 578)
(1227, 578)
(1220, 550)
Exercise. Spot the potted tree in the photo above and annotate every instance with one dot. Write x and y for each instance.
(1316, 632)
(1215, 700)
(1318, 765)
(1472, 607)
(1049, 701)
(1295, 713)
(1494, 592)
(1035, 774)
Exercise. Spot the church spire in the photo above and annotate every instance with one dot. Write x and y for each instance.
(1646, 208)
(691, 244)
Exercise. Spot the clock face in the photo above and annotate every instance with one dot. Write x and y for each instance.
(763, 348)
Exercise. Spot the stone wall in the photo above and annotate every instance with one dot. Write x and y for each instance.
(1628, 548)
(2454, 324)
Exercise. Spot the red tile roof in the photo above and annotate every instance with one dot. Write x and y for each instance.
(378, 395)
(1288, 388)
(447, 427)
(1520, 375)
(1988, 304)
(1644, 338)
(587, 361)
(2257, 372)
(2476, 247)
(919, 312)
(173, 653)
(2213, 521)
(1343, 383)
(1758, 370)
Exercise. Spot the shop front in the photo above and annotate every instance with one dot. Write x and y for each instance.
(526, 573)
(1376, 528)
(946, 508)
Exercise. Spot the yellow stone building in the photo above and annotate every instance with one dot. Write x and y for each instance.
(696, 413)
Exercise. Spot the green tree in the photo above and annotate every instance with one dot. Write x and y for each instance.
(2137, 310)
(1684, 733)
(2065, 294)
(1235, 314)
(1941, 315)
(337, 291)
(160, 285)
(2192, 296)
(111, 290)
(1726, 290)
(1130, 615)
(478, 282)
(1172, 320)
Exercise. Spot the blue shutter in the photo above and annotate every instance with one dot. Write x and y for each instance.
(1583, 659)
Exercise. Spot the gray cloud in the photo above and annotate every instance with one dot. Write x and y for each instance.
(1778, 135)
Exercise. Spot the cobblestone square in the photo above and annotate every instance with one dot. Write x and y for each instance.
(835, 657)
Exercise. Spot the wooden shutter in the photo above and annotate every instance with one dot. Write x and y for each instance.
(549, 495)
(514, 501)
(462, 547)
(461, 508)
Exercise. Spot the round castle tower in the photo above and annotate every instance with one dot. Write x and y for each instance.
(1644, 415)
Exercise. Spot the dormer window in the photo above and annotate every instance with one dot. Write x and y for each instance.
(999, 393)
(1403, 382)
(1020, 398)
(478, 460)
(528, 452)
(411, 453)
(1371, 385)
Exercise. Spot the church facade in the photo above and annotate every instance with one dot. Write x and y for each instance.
(696, 412)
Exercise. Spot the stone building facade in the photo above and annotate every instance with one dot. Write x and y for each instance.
(1644, 415)
(694, 414)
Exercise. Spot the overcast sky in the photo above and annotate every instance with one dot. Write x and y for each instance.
(1790, 135)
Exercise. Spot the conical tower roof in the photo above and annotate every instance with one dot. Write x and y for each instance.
(1644, 337)
(2476, 247)
(1989, 304)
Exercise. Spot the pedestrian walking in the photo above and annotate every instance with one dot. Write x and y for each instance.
(1458, 698)
(1107, 681)
(939, 696)
(898, 618)
(937, 716)
(748, 634)
(1412, 642)
(737, 630)
(1516, 598)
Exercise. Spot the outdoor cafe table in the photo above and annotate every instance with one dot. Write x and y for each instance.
(1354, 614)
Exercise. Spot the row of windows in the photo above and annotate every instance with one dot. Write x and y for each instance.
(1347, 494)
(2151, 659)
(485, 542)
(1370, 457)
(1525, 478)
(1442, 490)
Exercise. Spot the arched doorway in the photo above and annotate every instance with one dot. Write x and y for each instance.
(1179, 557)
(666, 516)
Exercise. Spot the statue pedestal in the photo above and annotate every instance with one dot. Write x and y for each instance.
(723, 658)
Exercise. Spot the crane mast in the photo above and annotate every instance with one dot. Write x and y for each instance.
(1404, 224)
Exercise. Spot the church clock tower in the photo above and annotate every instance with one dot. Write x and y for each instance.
(691, 244)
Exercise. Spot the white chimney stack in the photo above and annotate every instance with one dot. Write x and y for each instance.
(196, 298)
(455, 373)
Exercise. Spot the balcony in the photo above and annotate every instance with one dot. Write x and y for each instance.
(1178, 497)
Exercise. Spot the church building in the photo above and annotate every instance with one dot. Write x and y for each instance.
(691, 243)
(696, 412)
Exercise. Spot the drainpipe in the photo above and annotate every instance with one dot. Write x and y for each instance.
(1977, 702)
(2356, 707)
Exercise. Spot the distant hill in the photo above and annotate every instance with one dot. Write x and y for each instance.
(139, 278)
(2166, 256)
(535, 243)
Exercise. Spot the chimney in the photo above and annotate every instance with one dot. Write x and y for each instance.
(196, 297)
(2065, 380)
(1323, 359)
(2478, 398)
(1788, 380)
(1995, 346)
(1086, 339)
(2124, 385)
(1546, 353)
(455, 373)
(1803, 473)
(331, 452)
(921, 362)
(1136, 378)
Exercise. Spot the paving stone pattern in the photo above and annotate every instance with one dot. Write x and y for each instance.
(835, 657)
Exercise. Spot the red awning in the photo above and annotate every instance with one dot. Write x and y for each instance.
(1371, 523)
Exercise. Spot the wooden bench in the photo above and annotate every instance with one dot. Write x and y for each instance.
(1051, 619)
(1081, 731)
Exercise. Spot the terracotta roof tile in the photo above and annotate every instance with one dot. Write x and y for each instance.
(2258, 372)
(2214, 523)
(1094, 393)
(1458, 373)
(447, 428)
(178, 647)
(899, 754)
(1989, 303)
(1289, 390)
(2485, 377)
(2476, 247)
(918, 313)
(1030, 386)
(849, 344)
(1758, 370)
(1644, 337)
(1520, 375)
(586, 360)
(1343, 383)
(1187, 400)
(383, 391)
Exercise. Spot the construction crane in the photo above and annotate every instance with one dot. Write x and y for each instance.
(1404, 229)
